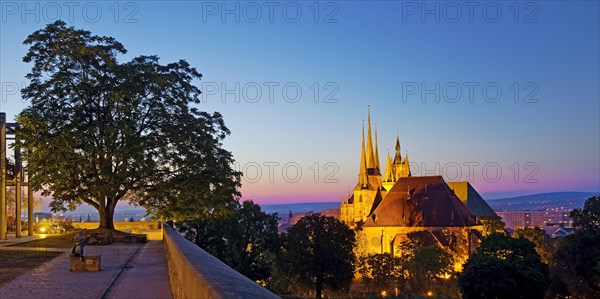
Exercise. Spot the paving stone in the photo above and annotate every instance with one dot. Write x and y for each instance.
(147, 278)
(54, 279)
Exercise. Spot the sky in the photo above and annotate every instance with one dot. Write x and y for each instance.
(504, 94)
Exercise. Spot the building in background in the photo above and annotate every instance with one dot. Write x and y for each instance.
(520, 219)
(386, 208)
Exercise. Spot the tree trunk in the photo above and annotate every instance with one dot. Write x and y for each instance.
(319, 286)
(106, 217)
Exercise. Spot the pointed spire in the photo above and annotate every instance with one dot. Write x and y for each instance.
(398, 156)
(389, 174)
(370, 155)
(376, 150)
(362, 175)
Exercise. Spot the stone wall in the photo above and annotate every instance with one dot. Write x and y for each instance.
(193, 273)
(122, 226)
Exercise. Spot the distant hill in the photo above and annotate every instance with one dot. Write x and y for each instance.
(298, 208)
(542, 201)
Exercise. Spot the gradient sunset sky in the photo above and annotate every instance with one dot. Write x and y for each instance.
(517, 84)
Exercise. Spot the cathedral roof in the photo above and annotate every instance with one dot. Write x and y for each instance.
(424, 201)
(469, 196)
(376, 201)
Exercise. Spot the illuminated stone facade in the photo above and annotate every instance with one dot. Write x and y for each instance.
(384, 209)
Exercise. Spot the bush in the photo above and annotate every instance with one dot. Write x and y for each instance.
(53, 226)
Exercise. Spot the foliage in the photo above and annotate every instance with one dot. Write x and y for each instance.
(422, 238)
(11, 216)
(53, 226)
(504, 267)
(430, 262)
(429, 266)
(587, 219)
(245, 238)
(539, 238)
(99, 131)
(38, 203)
(575, 264)
(381, 272)
(318, 253)
(491, 224)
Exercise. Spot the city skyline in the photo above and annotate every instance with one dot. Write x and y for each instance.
(542, 132)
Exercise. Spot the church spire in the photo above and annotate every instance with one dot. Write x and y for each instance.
(398, 156)
(370, 155)
(376, 150)
(362, 174)
(389, 174)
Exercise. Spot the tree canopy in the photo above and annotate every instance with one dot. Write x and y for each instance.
(428, 265)
(588, 218)
(381, 272)
(318, 253)
(491, 224)
(246, 239)
(575, 264)
(539, 238)
(504, 267)
(98, 131)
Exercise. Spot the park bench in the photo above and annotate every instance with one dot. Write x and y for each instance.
(85, 263)
(132, 238)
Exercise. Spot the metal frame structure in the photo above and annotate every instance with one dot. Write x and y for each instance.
(17, 180)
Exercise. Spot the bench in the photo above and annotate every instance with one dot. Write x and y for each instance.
(135, 238)
(85, 263)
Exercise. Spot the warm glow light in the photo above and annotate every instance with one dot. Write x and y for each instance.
(430, 293)
(383, 293)
(42, 229)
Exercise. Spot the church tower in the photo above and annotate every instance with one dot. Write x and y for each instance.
(369, 190)
(399, 168)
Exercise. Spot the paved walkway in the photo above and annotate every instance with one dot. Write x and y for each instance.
(11, 239)
(147, 278)
(127, 271)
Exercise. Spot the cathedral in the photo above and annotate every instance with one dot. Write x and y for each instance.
(385, 206)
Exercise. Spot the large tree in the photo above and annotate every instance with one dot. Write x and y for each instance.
(575, 264)
(504, 267)
(381, 272)
(588, 218)
(491, 224)
(429, 265)
(98, 131)
(245, 238)
(318, 253)
(539, 238)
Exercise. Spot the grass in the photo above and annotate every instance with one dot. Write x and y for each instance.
(14, 263)
(57, 241)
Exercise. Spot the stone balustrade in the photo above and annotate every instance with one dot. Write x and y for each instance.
(194, 273)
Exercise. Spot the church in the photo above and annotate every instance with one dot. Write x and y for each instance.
(385, 206)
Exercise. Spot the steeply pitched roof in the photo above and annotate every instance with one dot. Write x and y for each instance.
(469, 196)
(420, 201)
(376, 201)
